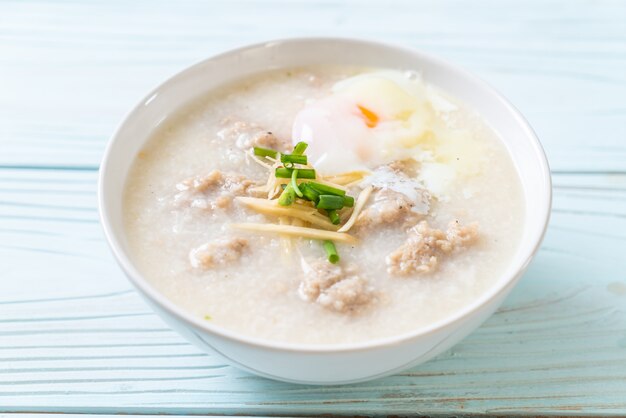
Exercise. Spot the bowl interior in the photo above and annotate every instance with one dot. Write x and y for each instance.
(166, 99)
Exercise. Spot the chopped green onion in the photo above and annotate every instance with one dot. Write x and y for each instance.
(333, 216)
(331, 251)
(304, 173)
(325, 189)
(293, 159)
(300, 148)
(294, 183)
(309, 192)
(348, 201)
(265, 152)
(287, 197)
(329, 201)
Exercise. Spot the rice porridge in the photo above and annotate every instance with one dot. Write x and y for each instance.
(324, 206)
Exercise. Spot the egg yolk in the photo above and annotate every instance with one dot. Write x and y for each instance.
(371, 118)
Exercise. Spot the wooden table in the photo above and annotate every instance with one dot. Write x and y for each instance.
(76, 338)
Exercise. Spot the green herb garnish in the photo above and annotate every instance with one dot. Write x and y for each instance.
(287, 197)
(293, 159)
(329, 201)
(333, 216)
(325, 189)
(300, 148)
(265, 152)
(331, 251)
(309, 193)
(294, 183)
(303, 173)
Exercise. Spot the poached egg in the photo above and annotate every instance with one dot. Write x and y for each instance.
(366, 121)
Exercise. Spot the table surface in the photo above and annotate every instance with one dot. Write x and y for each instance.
(76, 338)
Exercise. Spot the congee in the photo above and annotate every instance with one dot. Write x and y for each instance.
(324, 206)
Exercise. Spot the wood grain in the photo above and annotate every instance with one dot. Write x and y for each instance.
(74, 336)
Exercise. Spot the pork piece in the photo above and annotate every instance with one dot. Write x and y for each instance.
(388, 207)
(398, 196)
(425, 246)
(211, 191)
(217, 253)
(335, 288)
(246, 135)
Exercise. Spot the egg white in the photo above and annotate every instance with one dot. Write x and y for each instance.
(366, 121)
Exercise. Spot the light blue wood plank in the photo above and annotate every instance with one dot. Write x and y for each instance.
(78, 415)
(75, 338)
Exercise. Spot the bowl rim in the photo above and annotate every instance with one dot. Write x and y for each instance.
(145, 288)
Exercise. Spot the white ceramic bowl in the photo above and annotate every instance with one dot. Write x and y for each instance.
(337, 363)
